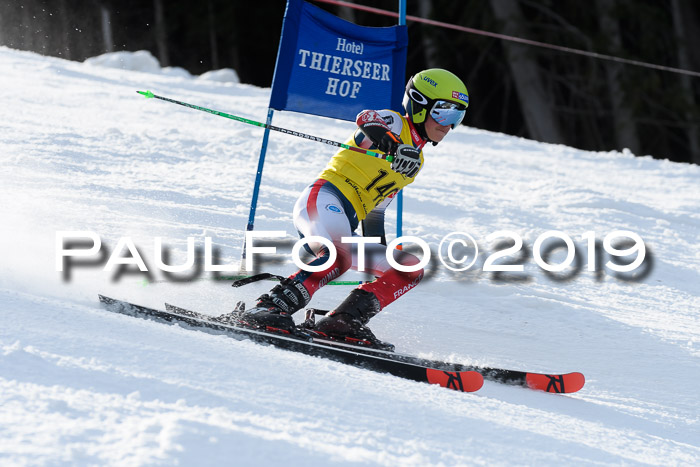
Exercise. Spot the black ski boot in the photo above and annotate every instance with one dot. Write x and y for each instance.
(348, 321)
(274, 310)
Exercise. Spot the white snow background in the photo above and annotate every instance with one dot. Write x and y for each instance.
(81, 151)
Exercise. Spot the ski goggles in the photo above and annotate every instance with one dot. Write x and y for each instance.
(448, 113)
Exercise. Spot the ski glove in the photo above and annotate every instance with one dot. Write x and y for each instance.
(406, 160)
(375, 128)
(388, 143)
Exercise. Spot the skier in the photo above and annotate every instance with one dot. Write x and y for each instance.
(356, 188)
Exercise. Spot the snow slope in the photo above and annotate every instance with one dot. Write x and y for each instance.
(80, 150)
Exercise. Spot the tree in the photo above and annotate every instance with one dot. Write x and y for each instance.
(625, 130)
(682, 13)
(106, 22)
(161, 32)
(538, 114)
(430, 49)
(213, 43)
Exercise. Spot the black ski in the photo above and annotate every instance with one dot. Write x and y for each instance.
(466, 381)
(556, 383)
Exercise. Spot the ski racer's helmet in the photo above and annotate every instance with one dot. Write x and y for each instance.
(438, 93)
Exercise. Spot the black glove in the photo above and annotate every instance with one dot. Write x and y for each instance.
(376, 129)
(388, 143)
(406, 160)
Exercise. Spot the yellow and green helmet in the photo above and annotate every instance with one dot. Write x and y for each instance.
(438, 93)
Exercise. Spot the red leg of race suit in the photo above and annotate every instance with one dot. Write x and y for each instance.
(392, 283)
(320, 212)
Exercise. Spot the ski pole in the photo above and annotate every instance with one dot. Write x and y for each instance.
(145, 282)
(150, 95)
(244, 279)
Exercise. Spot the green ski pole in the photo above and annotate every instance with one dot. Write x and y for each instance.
(146, 282)
(150, 95)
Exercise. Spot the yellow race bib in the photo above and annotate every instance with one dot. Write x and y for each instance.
(365, 180)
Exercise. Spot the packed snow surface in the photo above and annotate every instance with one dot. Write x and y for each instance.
(81, 151)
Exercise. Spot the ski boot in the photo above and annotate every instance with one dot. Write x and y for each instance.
(273, 311)
(347, 323)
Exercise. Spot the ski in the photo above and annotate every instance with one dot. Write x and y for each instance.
(465, 381)
(554, 383)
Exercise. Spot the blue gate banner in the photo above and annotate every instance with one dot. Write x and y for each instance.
(330, 67)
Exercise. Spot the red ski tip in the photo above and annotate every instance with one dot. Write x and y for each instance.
(465, 381)
(563, 384)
